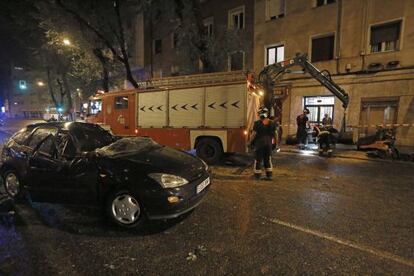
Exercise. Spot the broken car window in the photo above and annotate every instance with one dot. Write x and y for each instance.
(48, 146)
(39, 135)
(91, 137)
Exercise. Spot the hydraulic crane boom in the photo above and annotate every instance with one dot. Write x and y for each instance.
(272, 73)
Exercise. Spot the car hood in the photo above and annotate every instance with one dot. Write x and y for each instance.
(143, 150)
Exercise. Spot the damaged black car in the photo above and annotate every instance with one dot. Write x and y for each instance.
(133, 178)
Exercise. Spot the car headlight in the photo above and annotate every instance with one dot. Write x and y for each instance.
(168, 180)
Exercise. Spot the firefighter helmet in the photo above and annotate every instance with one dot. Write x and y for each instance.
(263, 112)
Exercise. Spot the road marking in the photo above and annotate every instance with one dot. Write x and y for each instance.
(361, 247)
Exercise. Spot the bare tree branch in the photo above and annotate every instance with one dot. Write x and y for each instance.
(84, 22)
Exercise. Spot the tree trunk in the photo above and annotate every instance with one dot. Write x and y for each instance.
(105, 71)
(129, 75)
(122, 45)
(69, 106)
(50, 86)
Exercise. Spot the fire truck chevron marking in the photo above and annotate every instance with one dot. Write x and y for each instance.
(150, 108)
(159, 108)
(223, 105)
(194, 106)
(143, 108)
(235, 104)
(212, 105)
(184, 107)
(175, 107)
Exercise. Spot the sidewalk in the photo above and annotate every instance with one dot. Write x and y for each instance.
(238, 169)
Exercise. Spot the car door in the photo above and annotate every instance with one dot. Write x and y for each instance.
(46, 172)
(82, 171)
(59, 176)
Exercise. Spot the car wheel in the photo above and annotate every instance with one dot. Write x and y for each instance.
(12, 184)
(209, 150)
(124, 209)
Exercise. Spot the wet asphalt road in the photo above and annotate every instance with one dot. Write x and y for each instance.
(319, 216)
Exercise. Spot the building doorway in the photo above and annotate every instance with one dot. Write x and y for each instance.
(319, 106)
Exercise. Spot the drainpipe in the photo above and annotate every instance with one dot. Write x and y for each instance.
(338, 35)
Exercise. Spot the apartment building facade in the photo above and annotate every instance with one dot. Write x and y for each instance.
(29, 97)
(366, 45)
(162, 47)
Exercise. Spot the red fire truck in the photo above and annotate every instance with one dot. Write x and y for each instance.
(210, 113)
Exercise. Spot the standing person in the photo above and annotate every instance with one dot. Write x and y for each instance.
(303, 123)
(327, 121)
(263, 132)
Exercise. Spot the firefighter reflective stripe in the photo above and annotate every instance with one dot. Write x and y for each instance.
(270, 169)
(256, 170)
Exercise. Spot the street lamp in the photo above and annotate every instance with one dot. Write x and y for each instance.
(40, 83)
(66, 42)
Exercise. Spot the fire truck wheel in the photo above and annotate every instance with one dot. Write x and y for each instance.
(209, 150)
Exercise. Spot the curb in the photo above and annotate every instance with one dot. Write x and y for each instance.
(350, 157)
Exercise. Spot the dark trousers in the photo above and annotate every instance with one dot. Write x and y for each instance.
(263, 155)
(302, 136)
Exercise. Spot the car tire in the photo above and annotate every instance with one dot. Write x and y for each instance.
(12, 184)
(124, 209)
(210, 150)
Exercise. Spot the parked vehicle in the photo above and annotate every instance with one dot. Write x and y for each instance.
(76, 163)
(326, 137)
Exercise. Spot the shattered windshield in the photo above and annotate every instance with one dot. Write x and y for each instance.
(128, 145)
(91, 137)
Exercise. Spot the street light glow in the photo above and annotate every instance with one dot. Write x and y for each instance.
(66, 41)
(40, 83)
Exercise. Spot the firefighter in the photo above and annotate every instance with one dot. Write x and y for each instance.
(303, 124)
(263, 132)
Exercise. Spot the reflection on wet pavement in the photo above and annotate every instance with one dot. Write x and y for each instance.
(318, 216)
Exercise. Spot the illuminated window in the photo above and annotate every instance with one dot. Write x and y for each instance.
(22, 85)
(275, 54)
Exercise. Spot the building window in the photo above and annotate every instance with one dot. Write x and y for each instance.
(175, 69)
(22, 85)
(174, 40)
(121, 102)
(236, 18)
(157, 15)
(275, 9)
(324, 2)
(323, 48)
(236, 61)
(157, 46)
(319, 106)
(385, 37)
(209, 23)
(275, 54)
